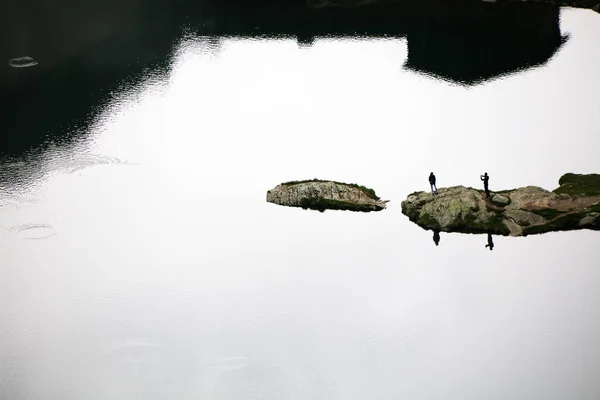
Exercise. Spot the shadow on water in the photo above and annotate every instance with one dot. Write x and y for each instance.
(436, 237)
(86, 50)
(489, 245)
(490, 242)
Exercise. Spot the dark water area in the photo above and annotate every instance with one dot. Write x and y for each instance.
(88, 50)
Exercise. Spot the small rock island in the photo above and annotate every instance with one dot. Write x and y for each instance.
(324, 195)
(575, 204)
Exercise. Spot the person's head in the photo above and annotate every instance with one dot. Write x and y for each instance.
(431, 173)
(485, 174)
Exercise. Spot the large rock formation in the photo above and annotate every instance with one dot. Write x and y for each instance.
(519, 212)
(325, 195)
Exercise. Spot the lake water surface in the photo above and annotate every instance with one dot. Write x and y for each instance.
(139, 259)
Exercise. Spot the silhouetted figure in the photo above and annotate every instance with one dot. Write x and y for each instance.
(436, 237)
(485, 178)
(490, 243)
(432, 183)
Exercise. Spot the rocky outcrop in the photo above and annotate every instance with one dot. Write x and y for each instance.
(325, 195)
(519, 212)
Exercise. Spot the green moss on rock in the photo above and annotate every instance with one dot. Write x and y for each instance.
(471, 224)
(564, 223)
(368, 191)
(548, 213)
(426, 219)
(500, 200)
(579, 184)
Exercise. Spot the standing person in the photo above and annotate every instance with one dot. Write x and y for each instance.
(485, 178)
(432, 183)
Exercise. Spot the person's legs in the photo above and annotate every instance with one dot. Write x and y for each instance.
(431, 184)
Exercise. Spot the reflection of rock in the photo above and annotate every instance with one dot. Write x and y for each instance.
(574, 205)
(325, 195)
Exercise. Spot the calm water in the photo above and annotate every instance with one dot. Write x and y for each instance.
(140, 260)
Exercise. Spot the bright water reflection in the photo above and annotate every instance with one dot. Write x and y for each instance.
(167, 275)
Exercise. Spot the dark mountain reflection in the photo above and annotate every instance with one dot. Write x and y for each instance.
(487, 42)
(86, 49)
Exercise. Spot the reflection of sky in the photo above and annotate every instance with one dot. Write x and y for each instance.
(174, 278)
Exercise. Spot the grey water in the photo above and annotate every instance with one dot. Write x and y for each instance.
(139, 259)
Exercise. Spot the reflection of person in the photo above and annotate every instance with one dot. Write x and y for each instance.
(485, 178)
(490, 243)
(432, 183)
(436, 237)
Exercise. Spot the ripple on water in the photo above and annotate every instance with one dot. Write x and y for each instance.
(35, 231)
(231, 363)
(133, 350)
(92, 160)
(22, 62)
(12, 165)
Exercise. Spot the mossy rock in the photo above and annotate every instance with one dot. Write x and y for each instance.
(579, 184)
(522, 211)
(323, 195)
(566, 222)
(548, 213)
(499, 200)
